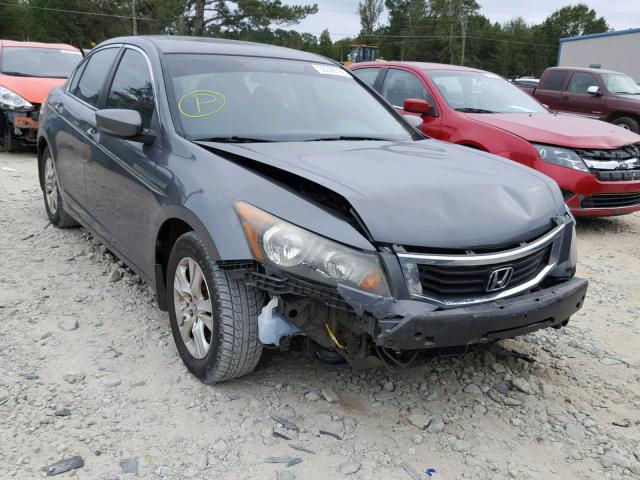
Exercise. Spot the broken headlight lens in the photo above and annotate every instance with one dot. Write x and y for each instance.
(563, 157)
(309, 255)
(13, 101)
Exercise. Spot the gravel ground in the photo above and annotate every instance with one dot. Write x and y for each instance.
(88, 367)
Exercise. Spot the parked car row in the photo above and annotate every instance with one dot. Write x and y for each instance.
(596, 164)
(266, 194)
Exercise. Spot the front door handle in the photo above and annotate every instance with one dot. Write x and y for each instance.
(565, 98)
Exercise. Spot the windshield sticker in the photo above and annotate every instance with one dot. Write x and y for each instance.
(331, 70)
(201, 103)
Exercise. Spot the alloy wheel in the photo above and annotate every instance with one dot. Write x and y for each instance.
(193, 307)
(51, 185)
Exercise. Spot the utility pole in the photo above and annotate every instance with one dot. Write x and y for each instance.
(463, 32)
(134, 17)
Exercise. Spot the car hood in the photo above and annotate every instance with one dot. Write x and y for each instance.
(562, 130)
(33, 89)
(425, 193)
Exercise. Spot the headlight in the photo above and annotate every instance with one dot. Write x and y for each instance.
(306, 254)
(561, 156)
(13, 101)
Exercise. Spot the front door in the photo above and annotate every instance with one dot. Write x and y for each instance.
(123, 186)
(399, 85)
(578, 100)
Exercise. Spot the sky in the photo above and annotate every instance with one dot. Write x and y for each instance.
(340, 16)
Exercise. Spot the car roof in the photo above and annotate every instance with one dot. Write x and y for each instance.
(200, 45)
(582, 69)
(420, 66)
(57, 46)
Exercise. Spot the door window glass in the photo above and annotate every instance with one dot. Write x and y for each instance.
(554, 80)
(367, 75)
(400, 85)
(94, 75)
(132, 88)
(580, 82)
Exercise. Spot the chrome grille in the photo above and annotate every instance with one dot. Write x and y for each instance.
(452, 280)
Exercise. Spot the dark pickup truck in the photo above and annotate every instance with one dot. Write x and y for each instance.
(603, 94)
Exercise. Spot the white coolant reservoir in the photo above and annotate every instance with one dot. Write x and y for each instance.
(273, 327)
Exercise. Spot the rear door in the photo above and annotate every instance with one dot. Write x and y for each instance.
(74, 140)
(551, 90)
(399, 85)
(123, 183)
(578, 100)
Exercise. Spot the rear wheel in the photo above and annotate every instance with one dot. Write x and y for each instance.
(51, 191)
(214, 319)
(628, 123)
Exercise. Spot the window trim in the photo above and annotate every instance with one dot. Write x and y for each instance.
(83, 65)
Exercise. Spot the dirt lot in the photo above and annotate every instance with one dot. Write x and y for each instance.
(114, 390)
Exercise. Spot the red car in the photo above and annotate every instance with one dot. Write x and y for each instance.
(28, 72)
(596, 164)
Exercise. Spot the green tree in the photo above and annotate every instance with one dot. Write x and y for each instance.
(326, 45)
(370, 12)
(217, 17)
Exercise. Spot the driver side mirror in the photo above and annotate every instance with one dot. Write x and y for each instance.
(594, 90)
(417, 105)
(123, 123)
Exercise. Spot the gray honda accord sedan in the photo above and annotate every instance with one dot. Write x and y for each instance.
(266, 195)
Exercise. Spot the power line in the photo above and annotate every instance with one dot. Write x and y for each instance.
(79, 12)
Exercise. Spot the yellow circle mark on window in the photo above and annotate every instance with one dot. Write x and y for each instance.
(201, 103)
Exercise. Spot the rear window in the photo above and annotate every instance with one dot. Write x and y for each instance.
(38, 62)
(554, 80)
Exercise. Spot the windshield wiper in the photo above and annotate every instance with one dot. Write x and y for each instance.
(17, 74)
(626, 93)
(233, 139)
(473, 110)
(345, 137)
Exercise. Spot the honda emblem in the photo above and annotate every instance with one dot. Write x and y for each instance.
(499, 279)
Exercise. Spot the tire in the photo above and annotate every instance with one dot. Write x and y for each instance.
(6, 141)
(51, 191)
(628, 123)
(231, 327)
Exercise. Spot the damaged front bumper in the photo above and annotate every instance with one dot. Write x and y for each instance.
(506, 318)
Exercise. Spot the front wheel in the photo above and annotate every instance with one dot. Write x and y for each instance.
(214, 319)
(627, 123)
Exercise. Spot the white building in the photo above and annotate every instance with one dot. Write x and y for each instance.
(618, 51)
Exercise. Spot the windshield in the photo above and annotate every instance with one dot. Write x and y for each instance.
(481, 92)
(620, 84)
(39, 62)
(238, 99)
